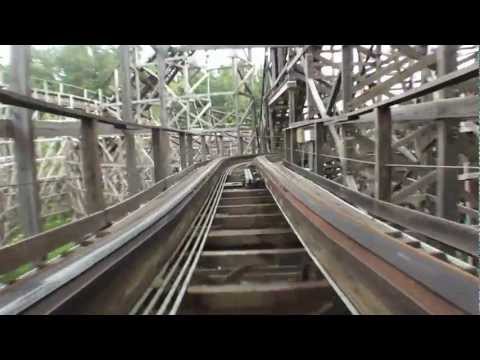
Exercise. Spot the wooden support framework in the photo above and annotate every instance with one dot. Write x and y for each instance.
(133, 177)
(28, 199)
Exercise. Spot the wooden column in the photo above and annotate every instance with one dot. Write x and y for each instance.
(133, 176)
(447, 195)
(291, 106)
(271, 130)
(28, 200)
(425, 73)
(308, 68)
(92, 173)
(190, 149)
(287, 140)
(319, 138)
(221, 148)
(203, 148)
(240, 142)
(162, 149)
(347, 82)
(383, 154)
(182, 149)
(161, 152)
(273, 60)
(293, 146)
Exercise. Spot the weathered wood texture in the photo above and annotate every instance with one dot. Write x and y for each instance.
(92, 173)
(28, 199)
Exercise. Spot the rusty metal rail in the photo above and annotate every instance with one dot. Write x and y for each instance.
(377, 272)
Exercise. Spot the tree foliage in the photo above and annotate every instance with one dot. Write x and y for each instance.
(86, 66)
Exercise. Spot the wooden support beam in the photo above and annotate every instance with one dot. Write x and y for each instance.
(271, 129)
(160, 150)
(308, 68)
(189, 149)
(203, 148)
(319, 139)
(316, 98)
(281, 90)
(383, 154)
(347, 73)
(288, 150)
(405, 192)
(446, 178)
(334, 93)
(439, 83)
(221, 149)
(413, 53)
(399, 77)
(133, 176)
(92, 173)
(240, 142)
(182, 150)
(27, 196)
(291, 106)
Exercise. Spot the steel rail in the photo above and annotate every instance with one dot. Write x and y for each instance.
(443, 281)
(197, 249)
(171, 272)
(168, 263)
(183, 289)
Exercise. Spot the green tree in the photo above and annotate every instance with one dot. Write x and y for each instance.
(86, 66)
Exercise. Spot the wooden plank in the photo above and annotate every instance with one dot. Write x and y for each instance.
(92, 173)
(383, 154)
(275, 298)
(235, 258)
(24, 149)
